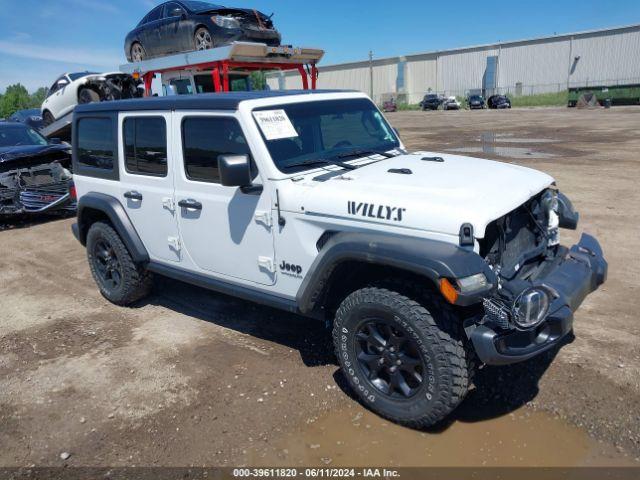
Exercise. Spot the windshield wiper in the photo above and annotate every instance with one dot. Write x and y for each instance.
(366, 151)
(319, 161)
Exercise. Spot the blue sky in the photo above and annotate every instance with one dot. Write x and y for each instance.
(41, 39)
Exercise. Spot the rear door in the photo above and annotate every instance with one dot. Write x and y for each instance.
(224, 230)
(171, 33)
(146, 181)
(150, 33)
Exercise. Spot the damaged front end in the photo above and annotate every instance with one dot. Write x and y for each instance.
(245, 25)
(540, 282)
(36, 183)
(115, 86)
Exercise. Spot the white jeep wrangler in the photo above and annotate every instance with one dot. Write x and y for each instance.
(425, 264)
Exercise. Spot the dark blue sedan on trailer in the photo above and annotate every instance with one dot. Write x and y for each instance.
(188, 25)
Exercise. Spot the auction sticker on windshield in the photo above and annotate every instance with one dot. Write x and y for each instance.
(275, 124)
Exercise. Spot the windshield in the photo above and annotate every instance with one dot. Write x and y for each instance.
(317, 131)
(475, 98)
(20, 135)
(76, 76)
(196, 6)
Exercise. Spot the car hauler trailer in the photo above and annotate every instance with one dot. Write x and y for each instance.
(223, 64)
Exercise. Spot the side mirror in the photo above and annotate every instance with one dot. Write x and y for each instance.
(55, 141)
(62, 83)
(235, 170)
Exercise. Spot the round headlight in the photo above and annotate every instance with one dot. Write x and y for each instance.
(530, 308)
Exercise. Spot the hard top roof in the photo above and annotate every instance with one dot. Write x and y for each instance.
(208, 101)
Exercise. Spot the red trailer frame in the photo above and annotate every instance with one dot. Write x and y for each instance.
(220, 72)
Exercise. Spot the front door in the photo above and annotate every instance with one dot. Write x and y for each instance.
(146, 181)
(224, 230)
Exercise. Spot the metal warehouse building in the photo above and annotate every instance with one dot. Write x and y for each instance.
(523, 67)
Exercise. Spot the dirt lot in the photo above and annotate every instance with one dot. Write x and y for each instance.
(194, 378)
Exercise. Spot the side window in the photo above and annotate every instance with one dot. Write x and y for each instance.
(155, 14)
(172, 10)
(182, 86)
(96, 147)
(206, 138)
(145, 145)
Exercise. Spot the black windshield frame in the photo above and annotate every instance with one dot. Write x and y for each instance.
(306, 117)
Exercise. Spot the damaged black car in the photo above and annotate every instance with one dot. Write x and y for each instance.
(185, 26)
(34, 172)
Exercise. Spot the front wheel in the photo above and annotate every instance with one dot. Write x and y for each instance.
(202, 39)
(402, 359)
(47, 118)
(87, 95)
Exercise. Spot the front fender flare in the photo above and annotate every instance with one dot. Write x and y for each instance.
(432, 259)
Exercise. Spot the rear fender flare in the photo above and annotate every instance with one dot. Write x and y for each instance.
(118, 217)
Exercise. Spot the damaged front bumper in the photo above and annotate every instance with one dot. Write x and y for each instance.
(579, 273)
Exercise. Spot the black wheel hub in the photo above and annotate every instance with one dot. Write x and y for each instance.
(107, 264)
(389, 357)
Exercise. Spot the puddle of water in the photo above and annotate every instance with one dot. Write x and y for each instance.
(357, 438)
(511, 152)
(491, 137)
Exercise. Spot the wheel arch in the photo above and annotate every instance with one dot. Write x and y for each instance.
(347, 260)
(94, 207)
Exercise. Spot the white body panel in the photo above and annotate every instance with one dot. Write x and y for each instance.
(235, 234)
(65, 99)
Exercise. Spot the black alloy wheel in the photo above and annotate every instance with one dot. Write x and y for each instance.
(389, 357)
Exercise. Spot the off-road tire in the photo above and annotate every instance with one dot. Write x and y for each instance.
(87, 95)
(135, 282)
(445, 364)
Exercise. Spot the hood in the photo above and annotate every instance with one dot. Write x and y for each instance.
(414, 192)
(24, 156)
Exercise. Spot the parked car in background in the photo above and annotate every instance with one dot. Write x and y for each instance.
(31, 117)
(451, 103)
(431, 101)
(184, 26)
(71, 89)
(475, 102)
(390, 106)
(499, 101)
(34, 172)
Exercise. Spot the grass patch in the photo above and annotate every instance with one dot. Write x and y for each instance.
(556, 99)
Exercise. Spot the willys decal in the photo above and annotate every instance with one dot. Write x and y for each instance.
(371, 210)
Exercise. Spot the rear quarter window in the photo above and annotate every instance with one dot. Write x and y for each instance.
(96, 147)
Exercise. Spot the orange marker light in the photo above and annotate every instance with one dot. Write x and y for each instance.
(448, 291)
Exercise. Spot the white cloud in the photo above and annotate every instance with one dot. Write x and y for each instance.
(107, 59)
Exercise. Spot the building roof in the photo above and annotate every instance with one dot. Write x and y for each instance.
(209, 101)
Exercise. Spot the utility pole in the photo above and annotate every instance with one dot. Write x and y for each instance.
(371, 74)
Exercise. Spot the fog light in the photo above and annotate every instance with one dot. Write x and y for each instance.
(530, 308)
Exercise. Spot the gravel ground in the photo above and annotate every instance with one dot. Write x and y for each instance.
(194, 378)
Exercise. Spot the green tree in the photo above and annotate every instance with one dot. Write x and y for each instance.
(258, 80)
(38, 97)
(15, 98)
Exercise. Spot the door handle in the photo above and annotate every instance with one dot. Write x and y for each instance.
(190, 204)
(133, 195)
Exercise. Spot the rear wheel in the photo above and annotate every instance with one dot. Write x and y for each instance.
(119, 279)
(87, 95)
(202, 39)
(401, 359)
(137, 52)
